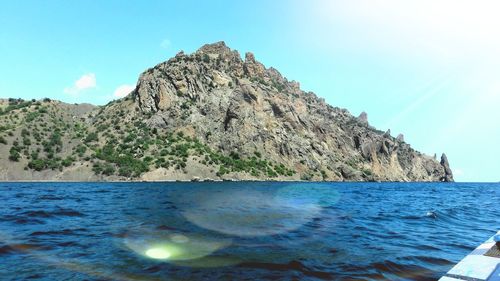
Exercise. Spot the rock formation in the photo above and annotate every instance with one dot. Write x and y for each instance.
(212, 114)
(448, 175)
(363, 118)
(400, 138)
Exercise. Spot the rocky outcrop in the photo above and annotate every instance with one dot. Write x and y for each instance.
(400, 138)
(448, 174)
(210, 115)
(363, 118)
(240, 105)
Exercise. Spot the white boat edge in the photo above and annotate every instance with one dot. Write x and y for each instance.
(475, 266)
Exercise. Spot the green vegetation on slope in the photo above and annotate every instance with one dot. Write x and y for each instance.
(48, 138)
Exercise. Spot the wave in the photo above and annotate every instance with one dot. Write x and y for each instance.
(291, 266)
(20, 248)
(57, 232)
(50, 197)
(55, 213)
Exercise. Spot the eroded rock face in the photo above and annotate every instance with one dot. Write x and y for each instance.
(400, 138)
(233, 104)
(448, 174)
(363, 118)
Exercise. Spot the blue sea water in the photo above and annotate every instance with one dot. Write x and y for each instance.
(241, 230)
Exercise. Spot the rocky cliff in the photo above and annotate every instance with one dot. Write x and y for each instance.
(212, 115)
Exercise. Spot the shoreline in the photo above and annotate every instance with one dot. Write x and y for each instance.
(222, 180)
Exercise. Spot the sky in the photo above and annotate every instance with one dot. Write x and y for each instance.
(429, 69)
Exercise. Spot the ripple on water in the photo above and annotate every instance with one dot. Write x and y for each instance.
(22, 248)
(291, 266)
(58, 232)
(248, 231)
(20, 220)
(59, 212)
(428, 260)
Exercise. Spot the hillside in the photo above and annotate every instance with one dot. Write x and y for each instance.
(206, 115)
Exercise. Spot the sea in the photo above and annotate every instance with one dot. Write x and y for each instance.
(241, 230)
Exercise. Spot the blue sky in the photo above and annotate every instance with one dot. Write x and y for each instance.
(427, 69)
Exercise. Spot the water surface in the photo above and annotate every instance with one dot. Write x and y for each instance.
(243, 231)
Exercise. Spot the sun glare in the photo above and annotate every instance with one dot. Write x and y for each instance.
(158, 253)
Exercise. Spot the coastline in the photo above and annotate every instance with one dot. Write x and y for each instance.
(221, 180)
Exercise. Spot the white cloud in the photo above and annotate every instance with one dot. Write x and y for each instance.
(87, 81)
(165, 44)
(123, 91)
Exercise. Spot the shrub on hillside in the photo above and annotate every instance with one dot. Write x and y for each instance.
(92, 137)
(37, 164)
(14, 154)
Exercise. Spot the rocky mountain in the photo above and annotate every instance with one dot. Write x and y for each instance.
(206, 115)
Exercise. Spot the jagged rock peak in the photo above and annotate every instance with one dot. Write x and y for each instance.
(249, 57)
(220, 51)
(387, 134)
(363, 117)
(401, 138)
(448, 174)
(215, 48)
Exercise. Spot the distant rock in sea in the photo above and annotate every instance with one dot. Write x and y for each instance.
(448, 174)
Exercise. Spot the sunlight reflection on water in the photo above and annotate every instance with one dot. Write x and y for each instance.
(169, 246)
